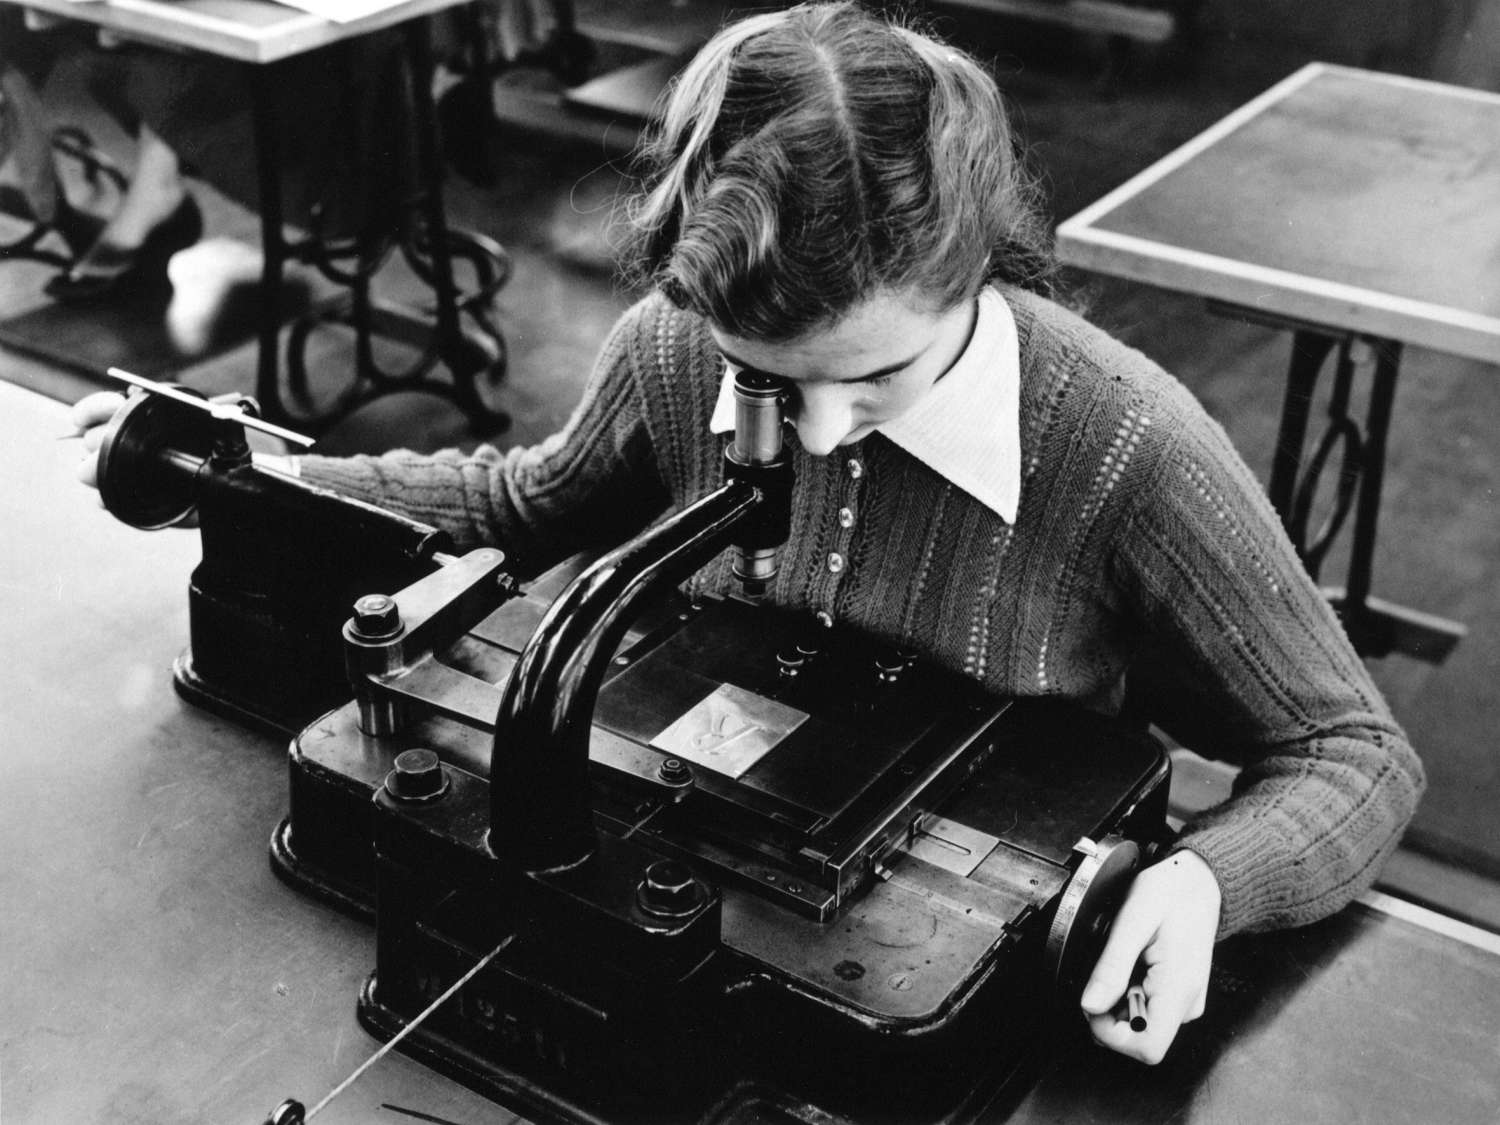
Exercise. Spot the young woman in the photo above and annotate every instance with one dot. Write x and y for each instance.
(982, 476)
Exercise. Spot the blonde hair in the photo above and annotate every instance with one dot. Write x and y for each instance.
(811, 157)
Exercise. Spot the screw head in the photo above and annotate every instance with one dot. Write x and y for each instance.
(670, 890)
(377, 617)
(674, 771)
(289, 1112)
(417, 776)
(790, 662)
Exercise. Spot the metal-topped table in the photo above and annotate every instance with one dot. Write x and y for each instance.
(1357, 210)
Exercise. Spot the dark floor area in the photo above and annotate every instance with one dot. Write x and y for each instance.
(1439, 546)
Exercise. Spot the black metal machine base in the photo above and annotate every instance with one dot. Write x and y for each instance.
(332, 888)
(744, 1101)
(323, 847)
(869, 934)
(207, 694)
(922, 999)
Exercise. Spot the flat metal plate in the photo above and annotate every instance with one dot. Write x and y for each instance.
(730, 730)
(950, 845)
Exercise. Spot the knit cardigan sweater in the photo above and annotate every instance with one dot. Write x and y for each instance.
(1139, 526)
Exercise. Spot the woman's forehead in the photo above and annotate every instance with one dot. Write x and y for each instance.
(885, 331)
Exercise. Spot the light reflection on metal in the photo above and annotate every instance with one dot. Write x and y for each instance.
(730, 730)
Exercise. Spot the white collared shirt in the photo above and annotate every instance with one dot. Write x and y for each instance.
(967, 428)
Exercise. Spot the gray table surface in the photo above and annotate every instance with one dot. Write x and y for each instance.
(153, 970)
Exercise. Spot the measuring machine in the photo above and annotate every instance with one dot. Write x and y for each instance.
(630, 858)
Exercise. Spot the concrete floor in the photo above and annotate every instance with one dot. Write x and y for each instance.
(1439, 547)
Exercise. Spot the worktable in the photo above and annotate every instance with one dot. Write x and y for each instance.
(152, 969)
(460, 353)
(155, 972)
(1358, 211)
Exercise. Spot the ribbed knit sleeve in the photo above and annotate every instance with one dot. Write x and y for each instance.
(1329, 780)
(592, 485)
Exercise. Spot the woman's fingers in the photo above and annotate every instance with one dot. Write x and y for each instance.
(1167, 926)
(1132, 931)
(89, 416)
(95, 409)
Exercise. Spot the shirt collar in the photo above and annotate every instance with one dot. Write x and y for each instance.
(967, 428)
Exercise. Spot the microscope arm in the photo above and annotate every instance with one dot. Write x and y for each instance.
(540, 815)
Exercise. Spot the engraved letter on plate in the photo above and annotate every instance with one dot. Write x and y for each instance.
(729, 730)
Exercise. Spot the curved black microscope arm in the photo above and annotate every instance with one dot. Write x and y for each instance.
(540, 818)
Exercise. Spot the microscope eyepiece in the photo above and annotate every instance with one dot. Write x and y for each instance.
(756, 455)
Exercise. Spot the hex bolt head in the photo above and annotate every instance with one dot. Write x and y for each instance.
(674, 771)
(889, 666)
(377, 617)
(669, 890)
(289, 1112)
(418, 776)
(789, 663)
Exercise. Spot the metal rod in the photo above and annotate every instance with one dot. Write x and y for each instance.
(1367, 512)
(1135, 1000)
(218, 410)
(409, 1028)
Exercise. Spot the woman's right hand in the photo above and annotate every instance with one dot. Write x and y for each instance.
(89, 416)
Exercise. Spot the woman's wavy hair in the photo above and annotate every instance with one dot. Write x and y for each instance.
(809, 158)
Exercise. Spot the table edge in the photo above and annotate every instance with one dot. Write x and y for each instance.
(299, 33)
(1432, 921)
(1268, 290)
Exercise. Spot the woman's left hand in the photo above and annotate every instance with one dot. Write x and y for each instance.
(1167, 926)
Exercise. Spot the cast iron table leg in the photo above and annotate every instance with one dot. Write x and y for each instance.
(1376, 627)
(468, 356)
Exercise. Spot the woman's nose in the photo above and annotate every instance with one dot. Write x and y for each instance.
(823, 418)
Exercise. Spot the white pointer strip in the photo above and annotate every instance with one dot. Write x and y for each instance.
(218, 410)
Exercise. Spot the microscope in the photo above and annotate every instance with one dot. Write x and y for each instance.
(630, 858)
